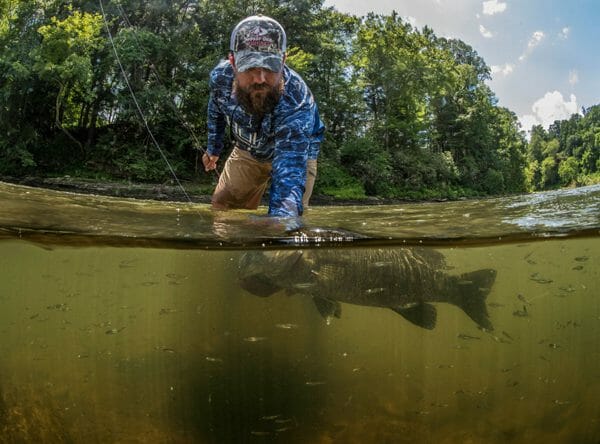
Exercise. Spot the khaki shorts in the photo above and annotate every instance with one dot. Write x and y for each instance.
(244, 180)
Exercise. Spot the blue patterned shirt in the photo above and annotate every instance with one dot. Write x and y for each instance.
(287, 137)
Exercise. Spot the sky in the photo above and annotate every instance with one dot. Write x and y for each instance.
(544, 54)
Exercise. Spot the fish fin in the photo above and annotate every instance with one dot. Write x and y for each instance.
(471, 291)
(288, 259)
(258, 285)
(422, 315)
(328, 307)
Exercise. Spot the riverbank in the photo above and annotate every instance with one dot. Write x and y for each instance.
(163, 192)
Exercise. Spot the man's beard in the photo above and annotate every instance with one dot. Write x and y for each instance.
(257, 100)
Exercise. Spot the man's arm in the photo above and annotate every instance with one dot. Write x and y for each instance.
(317, 135)
(216, 127)
(292, 142)
(219, 84)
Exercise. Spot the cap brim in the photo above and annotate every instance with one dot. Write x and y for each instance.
(245, 60)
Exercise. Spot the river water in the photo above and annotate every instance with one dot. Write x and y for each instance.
(124, 321)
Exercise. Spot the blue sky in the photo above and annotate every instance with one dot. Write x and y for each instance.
(544, 54)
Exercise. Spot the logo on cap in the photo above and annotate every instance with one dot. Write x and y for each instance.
(259, 39)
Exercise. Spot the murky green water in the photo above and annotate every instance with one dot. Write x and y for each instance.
(123, 321)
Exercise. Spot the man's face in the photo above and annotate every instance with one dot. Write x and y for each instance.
(258, 90)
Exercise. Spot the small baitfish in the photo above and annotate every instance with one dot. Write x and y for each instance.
(406, 280)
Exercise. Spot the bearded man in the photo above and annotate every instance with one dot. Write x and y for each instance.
(273, 120)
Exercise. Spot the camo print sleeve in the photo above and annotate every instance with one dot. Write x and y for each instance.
(317, 136)
(293, 133)
(220, 88)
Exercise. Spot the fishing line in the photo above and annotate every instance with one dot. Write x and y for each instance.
(139, 109)
(174, 107)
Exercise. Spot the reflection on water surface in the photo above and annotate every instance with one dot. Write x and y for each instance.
(66, 217)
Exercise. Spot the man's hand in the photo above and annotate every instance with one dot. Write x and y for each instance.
(210, 162)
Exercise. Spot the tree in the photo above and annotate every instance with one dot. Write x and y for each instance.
(567, 153)
(568, 171)
(549, 169)
(533, 176)
(535, 148)
(24, 115)
(64, 58)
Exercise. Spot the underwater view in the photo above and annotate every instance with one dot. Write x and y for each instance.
(452, 322)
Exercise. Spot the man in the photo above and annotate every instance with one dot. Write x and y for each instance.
(273, 120)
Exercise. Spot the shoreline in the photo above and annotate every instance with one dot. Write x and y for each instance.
(169, 192)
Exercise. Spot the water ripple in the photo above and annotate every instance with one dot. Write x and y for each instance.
(35, 213)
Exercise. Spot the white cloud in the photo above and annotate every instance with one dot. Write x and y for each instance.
(564, 33)
(484, 32)
(503, 70)
(411, 20)
(549, 108)
(535, 39)
(492, 7)
(573, 77)
(527, 121)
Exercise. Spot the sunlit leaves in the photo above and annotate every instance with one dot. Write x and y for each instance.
(67, 46)
(568, 153)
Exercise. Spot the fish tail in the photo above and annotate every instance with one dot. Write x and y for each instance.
(470, 291)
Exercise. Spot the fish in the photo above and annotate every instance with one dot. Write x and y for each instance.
(407, 280)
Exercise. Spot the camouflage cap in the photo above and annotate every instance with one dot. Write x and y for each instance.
(258, 42)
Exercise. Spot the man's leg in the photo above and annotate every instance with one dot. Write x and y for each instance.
(242, 182)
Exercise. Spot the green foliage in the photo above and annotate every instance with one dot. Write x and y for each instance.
(334, 181)
(549, 169)
(551, 148)
(533, 176)
(567, 154)
(589, 179)
(299, 60)
(438, 193)
(568, 171)
(15, 158)
(493, 181)
(369, 163)
(64, 57)
(429, 108)
(408, 113)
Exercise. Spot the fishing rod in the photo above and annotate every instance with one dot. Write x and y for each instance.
(174, 107)
(138, 107)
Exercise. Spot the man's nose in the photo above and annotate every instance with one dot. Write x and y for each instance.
(259, 76)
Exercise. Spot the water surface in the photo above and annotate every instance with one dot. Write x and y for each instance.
(31, 212)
